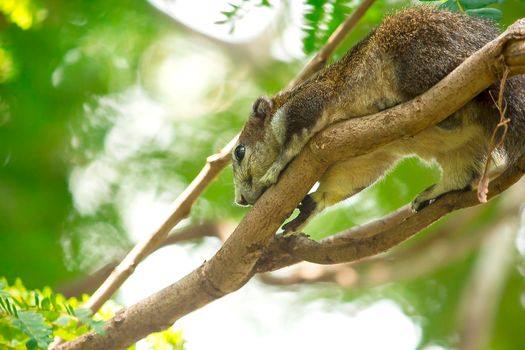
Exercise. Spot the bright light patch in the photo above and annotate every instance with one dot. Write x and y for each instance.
(91, 185)
(202, 16)
(184, 75)
(258, 317)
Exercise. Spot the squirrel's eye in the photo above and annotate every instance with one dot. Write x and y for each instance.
(239, 152)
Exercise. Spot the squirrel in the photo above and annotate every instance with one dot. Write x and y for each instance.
(407, 54)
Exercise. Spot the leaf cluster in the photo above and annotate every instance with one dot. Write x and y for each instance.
(31, 319)
(473, 8)
(321, 18)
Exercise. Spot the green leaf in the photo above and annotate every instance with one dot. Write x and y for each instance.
(8, 307)
(45, 304)
(2, 284)
(488, 13)
(34, 326)
(31, 344)
(449, 5)
(62, 321)
(85, 317)
(98, 326)
(475, 4)
(2, 304)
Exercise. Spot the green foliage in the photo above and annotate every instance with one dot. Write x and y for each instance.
(31, 319)
(321, 18)
(23, 13)
(473, 8)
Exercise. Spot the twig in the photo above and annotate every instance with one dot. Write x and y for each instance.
(483, 185)
(320, 59)
(185, 201)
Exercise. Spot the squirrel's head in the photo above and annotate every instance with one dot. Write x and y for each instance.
(255, 151)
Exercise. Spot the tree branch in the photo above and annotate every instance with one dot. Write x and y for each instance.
(235, 262)
(442, 247)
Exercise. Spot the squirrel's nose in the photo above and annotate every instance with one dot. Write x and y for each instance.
(242, 201)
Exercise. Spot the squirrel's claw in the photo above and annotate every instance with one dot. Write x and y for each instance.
(270, 177)
(306, 209)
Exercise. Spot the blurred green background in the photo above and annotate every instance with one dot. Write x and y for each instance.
(109, 109)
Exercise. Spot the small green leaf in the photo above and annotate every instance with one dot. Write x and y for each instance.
(98, 326)
(3, 305)
(85, 317)
(37, 300)
(62, 321)
(489, 13)
(45, 304)
(53, 299)
(9, 307)
(476, 4)
(31, 344)
(34, 326)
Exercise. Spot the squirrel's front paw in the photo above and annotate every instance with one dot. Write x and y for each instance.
(306, 209)
(270, 177)
(424, 199)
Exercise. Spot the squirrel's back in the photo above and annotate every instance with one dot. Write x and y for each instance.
(407, 54)
(418, 47)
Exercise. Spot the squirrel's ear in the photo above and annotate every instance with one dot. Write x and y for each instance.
(262, 108)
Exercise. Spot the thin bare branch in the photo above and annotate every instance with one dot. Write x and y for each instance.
(320, 59)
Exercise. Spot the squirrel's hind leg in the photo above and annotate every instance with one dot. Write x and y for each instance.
(341, 181)
(461, 170)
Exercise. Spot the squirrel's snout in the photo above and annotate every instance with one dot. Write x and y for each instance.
(241, 200)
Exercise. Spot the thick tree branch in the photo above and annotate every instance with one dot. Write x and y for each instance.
(234, 264)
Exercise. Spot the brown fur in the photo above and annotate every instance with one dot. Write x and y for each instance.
(409, 53)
